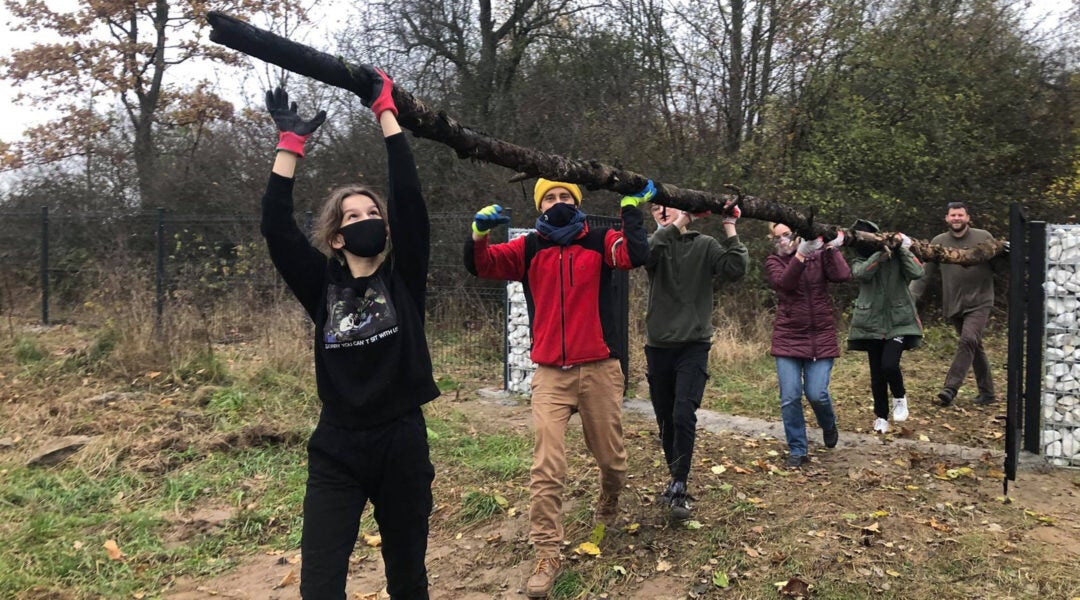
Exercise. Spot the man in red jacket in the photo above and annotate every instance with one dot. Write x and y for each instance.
(566, 268)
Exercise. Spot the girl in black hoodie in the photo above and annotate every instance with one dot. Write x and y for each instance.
(372, 364)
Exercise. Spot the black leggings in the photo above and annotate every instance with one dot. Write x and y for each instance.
(885, 372)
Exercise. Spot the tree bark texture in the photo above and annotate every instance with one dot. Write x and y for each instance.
(470, 143)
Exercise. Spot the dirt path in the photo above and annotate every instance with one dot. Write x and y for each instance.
(492, 561)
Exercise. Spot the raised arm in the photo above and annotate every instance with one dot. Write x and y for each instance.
(410, 228)
(301, 266)
(729, 259)
(629, 247)
(909, 263)
(835, 267)
(864, 269)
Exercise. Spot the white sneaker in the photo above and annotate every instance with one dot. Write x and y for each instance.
(881, 426)
(899, 409)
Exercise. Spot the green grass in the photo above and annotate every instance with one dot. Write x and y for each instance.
(27, 351)
(502, 456)
(55, 522)
(478, 506)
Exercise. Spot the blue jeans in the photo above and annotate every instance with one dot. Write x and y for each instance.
(798, 376)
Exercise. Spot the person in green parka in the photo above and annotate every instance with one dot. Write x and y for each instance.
(885, 322)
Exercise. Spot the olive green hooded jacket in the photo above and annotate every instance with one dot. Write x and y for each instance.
(885, 308)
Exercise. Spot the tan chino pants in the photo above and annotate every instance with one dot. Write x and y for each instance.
(595, 391)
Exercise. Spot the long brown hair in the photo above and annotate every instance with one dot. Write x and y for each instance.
(328, 223)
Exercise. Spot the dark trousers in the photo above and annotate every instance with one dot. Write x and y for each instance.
(387, 465)
(676, 382)
(885, 375)
(969, 352)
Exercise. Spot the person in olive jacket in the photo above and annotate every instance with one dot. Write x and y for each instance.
(885, 322)
(804, 334)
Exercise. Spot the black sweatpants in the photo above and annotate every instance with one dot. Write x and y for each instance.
(676, 382)
(885, 375)
(388, 465)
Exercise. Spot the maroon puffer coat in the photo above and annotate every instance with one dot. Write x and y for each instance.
(804, 326)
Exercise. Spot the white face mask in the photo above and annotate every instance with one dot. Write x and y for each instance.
(785, 244)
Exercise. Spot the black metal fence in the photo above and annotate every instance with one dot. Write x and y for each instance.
(53, 264)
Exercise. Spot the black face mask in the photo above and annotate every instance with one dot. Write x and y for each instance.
(560, 214)
(365, 238)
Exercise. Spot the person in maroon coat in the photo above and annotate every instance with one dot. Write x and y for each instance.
(804, 340)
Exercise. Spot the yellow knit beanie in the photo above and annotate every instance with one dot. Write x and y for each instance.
(543, 185)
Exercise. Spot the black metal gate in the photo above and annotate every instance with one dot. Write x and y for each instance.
(1027, 273)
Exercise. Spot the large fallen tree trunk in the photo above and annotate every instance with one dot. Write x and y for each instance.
(470, 143)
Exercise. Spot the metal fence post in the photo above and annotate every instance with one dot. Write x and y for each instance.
(44, 265)
(1036, 305)
(1015, 365)
(159, 239)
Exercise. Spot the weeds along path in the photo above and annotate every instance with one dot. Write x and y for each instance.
(899, 519)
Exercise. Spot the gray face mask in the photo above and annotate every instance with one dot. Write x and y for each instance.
(365, 238)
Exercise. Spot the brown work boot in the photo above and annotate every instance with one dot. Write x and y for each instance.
(543, 577)
(607, 509)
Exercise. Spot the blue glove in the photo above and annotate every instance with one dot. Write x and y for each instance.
(487, 218)
(644, 195)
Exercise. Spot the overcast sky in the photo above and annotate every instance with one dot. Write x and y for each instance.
(17, 117)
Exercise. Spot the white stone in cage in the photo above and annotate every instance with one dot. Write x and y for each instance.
(1053, 306)
(1058, 369)
(1049, 400)
(1054, 449)
(1065, 320)
(1054, 353)
(1050, 436)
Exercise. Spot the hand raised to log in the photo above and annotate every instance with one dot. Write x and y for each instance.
(470, 143)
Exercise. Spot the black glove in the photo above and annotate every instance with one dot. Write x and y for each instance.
(292, 130)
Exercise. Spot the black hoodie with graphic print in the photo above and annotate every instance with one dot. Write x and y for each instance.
(372, 362)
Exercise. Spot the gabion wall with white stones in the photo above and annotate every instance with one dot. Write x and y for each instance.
(1061, 381)
(519, 339)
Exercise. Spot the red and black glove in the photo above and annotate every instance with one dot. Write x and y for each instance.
(382, 95)
(731, 212)
(292, 130)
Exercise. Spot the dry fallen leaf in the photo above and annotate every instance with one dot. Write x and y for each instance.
(939, 526)
(373, 540)
(751, 552)
(289, 579)
(794, 588)
(587, 549)
(663, 566)
(112, 550)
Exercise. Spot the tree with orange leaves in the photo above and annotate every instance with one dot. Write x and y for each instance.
(112, 60)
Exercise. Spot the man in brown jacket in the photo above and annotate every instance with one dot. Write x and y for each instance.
(967, 295)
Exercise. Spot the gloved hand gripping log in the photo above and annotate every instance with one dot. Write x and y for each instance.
(469, 143)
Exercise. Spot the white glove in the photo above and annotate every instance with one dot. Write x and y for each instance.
(838, 241)
(808, 247)
(905, 242)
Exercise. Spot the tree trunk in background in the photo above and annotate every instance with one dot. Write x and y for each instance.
(469, 143)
